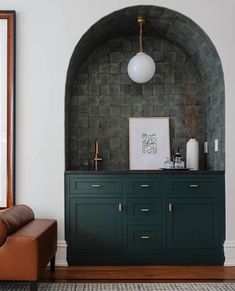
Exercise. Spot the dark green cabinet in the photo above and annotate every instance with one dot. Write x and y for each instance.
(145, 209)
(144, 238)
(94, 184)
(194, 185)
(155, 218)
(144, 184)
(98, 223)
(193, 223)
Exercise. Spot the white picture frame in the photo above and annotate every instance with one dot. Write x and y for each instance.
(149, 142)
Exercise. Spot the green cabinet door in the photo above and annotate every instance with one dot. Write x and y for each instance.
(193, 223)
(95, 224)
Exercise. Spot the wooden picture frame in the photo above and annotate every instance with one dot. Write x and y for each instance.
(149, 142)
(7, 108)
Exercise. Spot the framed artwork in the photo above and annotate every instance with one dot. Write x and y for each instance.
(149, 142)
(7, 105)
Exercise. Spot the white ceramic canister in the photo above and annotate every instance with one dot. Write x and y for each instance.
(192, 154)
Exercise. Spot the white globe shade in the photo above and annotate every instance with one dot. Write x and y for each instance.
(141, 68)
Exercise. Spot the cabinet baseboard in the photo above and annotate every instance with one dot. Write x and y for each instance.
(61, 255)
(229, 250)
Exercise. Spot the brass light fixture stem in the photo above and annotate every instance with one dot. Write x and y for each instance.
(141, 21)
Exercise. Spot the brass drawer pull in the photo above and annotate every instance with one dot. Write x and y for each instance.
(145, 186)
(96, 185)
(145, 210)
(145, 237)
(194, 185)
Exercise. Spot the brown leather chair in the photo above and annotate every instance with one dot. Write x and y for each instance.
(27, 245)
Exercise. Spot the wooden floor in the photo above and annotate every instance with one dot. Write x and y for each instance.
(139, 274)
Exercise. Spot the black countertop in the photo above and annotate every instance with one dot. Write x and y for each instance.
(173, 171)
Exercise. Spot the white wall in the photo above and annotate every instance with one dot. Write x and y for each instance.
(47, 32)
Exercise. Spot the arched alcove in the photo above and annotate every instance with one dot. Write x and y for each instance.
(100, 97)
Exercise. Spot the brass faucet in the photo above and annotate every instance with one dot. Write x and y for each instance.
(97, 157)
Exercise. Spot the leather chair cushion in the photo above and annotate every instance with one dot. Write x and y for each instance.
(3, 232)
(11, 219)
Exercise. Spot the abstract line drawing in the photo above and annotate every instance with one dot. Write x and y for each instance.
(149, 143)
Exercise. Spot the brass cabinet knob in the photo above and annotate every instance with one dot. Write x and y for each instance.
(145, 186)
(194, 185)
(96, 185)
(145, 237)
(145, 210)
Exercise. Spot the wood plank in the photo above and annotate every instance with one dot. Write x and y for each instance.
(140, 273)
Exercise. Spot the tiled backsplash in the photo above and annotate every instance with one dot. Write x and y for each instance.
(100, 97)
(104, 98)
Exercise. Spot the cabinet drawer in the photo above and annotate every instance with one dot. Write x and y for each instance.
(146, 237)
(193, 185)
(95, 185)
(144, 185)
(144, 209)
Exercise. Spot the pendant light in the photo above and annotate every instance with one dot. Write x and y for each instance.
(141, 67)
